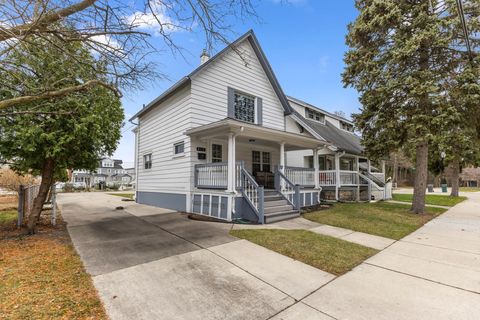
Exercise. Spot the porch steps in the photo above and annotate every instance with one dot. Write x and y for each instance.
(276, 208)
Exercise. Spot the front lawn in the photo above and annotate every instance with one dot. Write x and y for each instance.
(123, 195)
(469, 189)
(390, 220)
(42, 277)
(323, 252)
(438, 200)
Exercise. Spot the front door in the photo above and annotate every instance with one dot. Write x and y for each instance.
(262, 168)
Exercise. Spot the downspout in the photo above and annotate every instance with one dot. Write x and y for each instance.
(137, 140)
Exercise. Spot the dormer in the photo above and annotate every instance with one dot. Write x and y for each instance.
(315, 115)
(346, 126)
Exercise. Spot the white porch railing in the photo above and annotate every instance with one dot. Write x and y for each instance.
(328, 178)
(348, 177)
(304, 177)
(215, 175)
(380, 176)
(253, 193)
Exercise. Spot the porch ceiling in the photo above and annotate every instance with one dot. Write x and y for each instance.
(245, 132)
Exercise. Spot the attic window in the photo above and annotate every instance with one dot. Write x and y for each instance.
(315, 115)
(346, 126)
(244, 107)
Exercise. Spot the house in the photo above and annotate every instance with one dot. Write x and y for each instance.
(218, 143)
(109, 171)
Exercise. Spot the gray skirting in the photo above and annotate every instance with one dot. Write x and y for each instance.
(175, 201)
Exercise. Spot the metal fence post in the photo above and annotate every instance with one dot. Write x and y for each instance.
(21, 205)
(54, 204)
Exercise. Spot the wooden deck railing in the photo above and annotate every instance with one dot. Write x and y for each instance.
(304, 177)
(215, 175)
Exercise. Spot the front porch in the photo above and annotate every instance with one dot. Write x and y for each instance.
(244, 166)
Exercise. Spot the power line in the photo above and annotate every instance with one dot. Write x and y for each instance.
(461, 14)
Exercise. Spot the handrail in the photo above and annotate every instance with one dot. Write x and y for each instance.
(376, 179)
(253, 193)
(289, 190)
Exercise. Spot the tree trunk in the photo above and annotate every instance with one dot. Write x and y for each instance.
(421, 173)
(455, 165)
(395, 169)
(47, 177)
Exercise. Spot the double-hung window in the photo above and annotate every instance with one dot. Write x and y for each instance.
(244, 107)
(147, 161)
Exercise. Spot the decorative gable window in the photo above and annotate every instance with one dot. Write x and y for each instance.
(315, 115)
(244, 107)
(147, 161)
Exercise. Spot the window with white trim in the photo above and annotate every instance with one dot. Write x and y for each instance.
(346, 126)
(179, 148)
(217, 153)
(147, 161)
(261, 162)
(314, 115)
(244, 107)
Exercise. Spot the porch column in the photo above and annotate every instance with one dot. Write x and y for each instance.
(282, 164)
(282, 157)
(315, 166)
(337, 178)
(358, 175)
(231, 163)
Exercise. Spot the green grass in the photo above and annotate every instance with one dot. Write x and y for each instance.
(123, 195)
(469, 189)
(323, 252)
(439, 200)
(390, 220)
(7, 217)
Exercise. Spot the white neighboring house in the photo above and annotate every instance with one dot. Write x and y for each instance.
(110, 171)
(216, 143)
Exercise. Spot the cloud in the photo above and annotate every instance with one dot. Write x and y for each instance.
(323, 63)
(292, 2)
(149, 21)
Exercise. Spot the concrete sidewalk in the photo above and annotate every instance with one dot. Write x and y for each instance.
(433, 273)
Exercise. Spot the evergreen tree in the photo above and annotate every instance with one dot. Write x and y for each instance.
(402, 56)
(73, 131)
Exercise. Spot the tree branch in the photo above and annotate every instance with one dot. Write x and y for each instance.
(44, 21)
(56, 93)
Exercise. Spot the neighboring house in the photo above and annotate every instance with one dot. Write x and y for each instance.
(109, 171)
(470, 177)
(218, 142)
(131, 172)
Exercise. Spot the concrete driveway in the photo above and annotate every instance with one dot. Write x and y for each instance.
(152, 263)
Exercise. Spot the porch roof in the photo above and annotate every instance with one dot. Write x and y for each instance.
(223, 127)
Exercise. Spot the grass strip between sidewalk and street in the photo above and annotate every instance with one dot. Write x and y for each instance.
(389, 220)
(438, 200)
(323, 252)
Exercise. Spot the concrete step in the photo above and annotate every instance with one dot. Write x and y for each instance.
(275, 203)
(270, 192)
(276, 209)
(280, 216)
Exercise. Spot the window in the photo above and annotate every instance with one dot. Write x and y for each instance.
(244, 107)
(315, 115)
(347, 164)
(261, 162)
(179, 148)
(217, 153)
(147, 161)
(346, 126)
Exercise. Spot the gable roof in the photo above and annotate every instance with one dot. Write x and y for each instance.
(346, 141)
(250, 36)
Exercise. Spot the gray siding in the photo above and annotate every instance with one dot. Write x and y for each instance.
(173, 201)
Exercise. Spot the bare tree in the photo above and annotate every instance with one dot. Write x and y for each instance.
(120, 35)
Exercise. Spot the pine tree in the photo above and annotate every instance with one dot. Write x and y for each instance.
(402, 56)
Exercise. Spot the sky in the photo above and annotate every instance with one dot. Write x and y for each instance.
(304, 41)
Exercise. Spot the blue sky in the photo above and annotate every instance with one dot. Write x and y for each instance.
(304, 40)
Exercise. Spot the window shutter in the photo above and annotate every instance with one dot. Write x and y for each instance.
(231, 103)
(259, 111)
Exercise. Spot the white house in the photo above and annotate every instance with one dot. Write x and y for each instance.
(220, 142)
(109, 171)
